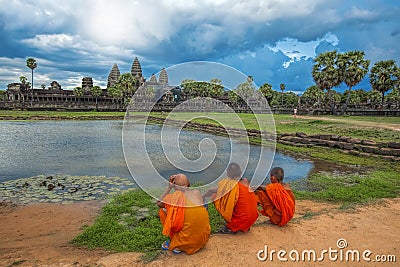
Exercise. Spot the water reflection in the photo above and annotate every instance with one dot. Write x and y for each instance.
(95, 148)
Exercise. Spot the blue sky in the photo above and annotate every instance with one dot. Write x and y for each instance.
(275, 41)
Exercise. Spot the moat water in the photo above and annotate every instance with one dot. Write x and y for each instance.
(94, 148)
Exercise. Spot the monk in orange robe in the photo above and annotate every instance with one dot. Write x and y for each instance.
(235, 201)
(183, 216)
(276, 199)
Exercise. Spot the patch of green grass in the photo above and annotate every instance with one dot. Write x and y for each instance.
(351, 189)
(118, 229)
(336, 156)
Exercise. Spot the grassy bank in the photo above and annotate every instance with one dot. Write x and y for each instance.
(381, 129)
(129, 222)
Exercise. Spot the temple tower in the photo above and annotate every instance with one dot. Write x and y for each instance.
(87, 83)
(153, 79)
(163, 77)
(113, 76)
(136, 69)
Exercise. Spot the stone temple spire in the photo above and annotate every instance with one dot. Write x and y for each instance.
(113, 76)
(153, 79)
(136, 69)
(163, 77)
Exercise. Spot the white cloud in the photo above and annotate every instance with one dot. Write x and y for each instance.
(296, 50)
(359, 13)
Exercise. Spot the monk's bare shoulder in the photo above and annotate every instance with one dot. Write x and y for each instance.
(287, 186)
(195, 196)
(245, 181)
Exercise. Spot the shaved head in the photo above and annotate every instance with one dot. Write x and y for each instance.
(181, 180)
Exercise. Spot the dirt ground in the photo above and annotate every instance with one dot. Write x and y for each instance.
(39, 235)
(382, 125)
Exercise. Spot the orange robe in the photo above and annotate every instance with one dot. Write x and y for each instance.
(278, 203)
(195, 228)
(243, 214)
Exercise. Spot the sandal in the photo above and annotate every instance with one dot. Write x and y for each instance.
(225, 230)
(176, 251)
(165, 245)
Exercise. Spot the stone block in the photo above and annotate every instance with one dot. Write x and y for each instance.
(394, 145)
(325, 136)
(344, 145)
(301, 134)
(335, 137)
(305, 141)
(355, 141)
(385, 151)
(368, 142)
(369, 149)
(344, 138)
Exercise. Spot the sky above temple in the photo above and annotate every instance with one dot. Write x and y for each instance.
(274, 41)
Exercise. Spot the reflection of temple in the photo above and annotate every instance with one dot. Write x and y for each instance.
(54, 97)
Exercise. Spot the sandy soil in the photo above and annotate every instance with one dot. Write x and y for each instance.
(382, 125)
(38, 235)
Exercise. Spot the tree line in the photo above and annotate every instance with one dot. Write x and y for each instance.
(331, 69)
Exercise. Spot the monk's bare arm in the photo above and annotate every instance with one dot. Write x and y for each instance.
(166, 192)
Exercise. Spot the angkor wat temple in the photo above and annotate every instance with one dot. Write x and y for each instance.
(19, 96)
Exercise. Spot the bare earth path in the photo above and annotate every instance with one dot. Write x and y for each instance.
(382, 125)
(38, 235)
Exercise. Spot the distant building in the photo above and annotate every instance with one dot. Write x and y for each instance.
(54, 97)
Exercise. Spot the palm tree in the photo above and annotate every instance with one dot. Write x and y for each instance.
(352, 68)
(96, 92)
(313, 96)
(115, 92)
(267, 92)
(326, 75)
(216, 89)
(78, 92)
(31, 63)
(384, 76)
(282, 86)
(128, 84)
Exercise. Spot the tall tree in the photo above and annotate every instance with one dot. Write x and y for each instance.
(384, 76)
(128, 85)
(267, 92)
(282, 86)
(216, 89)
(326, 74)
(96, 92)
(313, 96)
(243, 92)
(78, 92)
(115, 92)
(31, 63)
(352, 69)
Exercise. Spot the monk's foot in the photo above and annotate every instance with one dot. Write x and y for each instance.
(225, 230)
